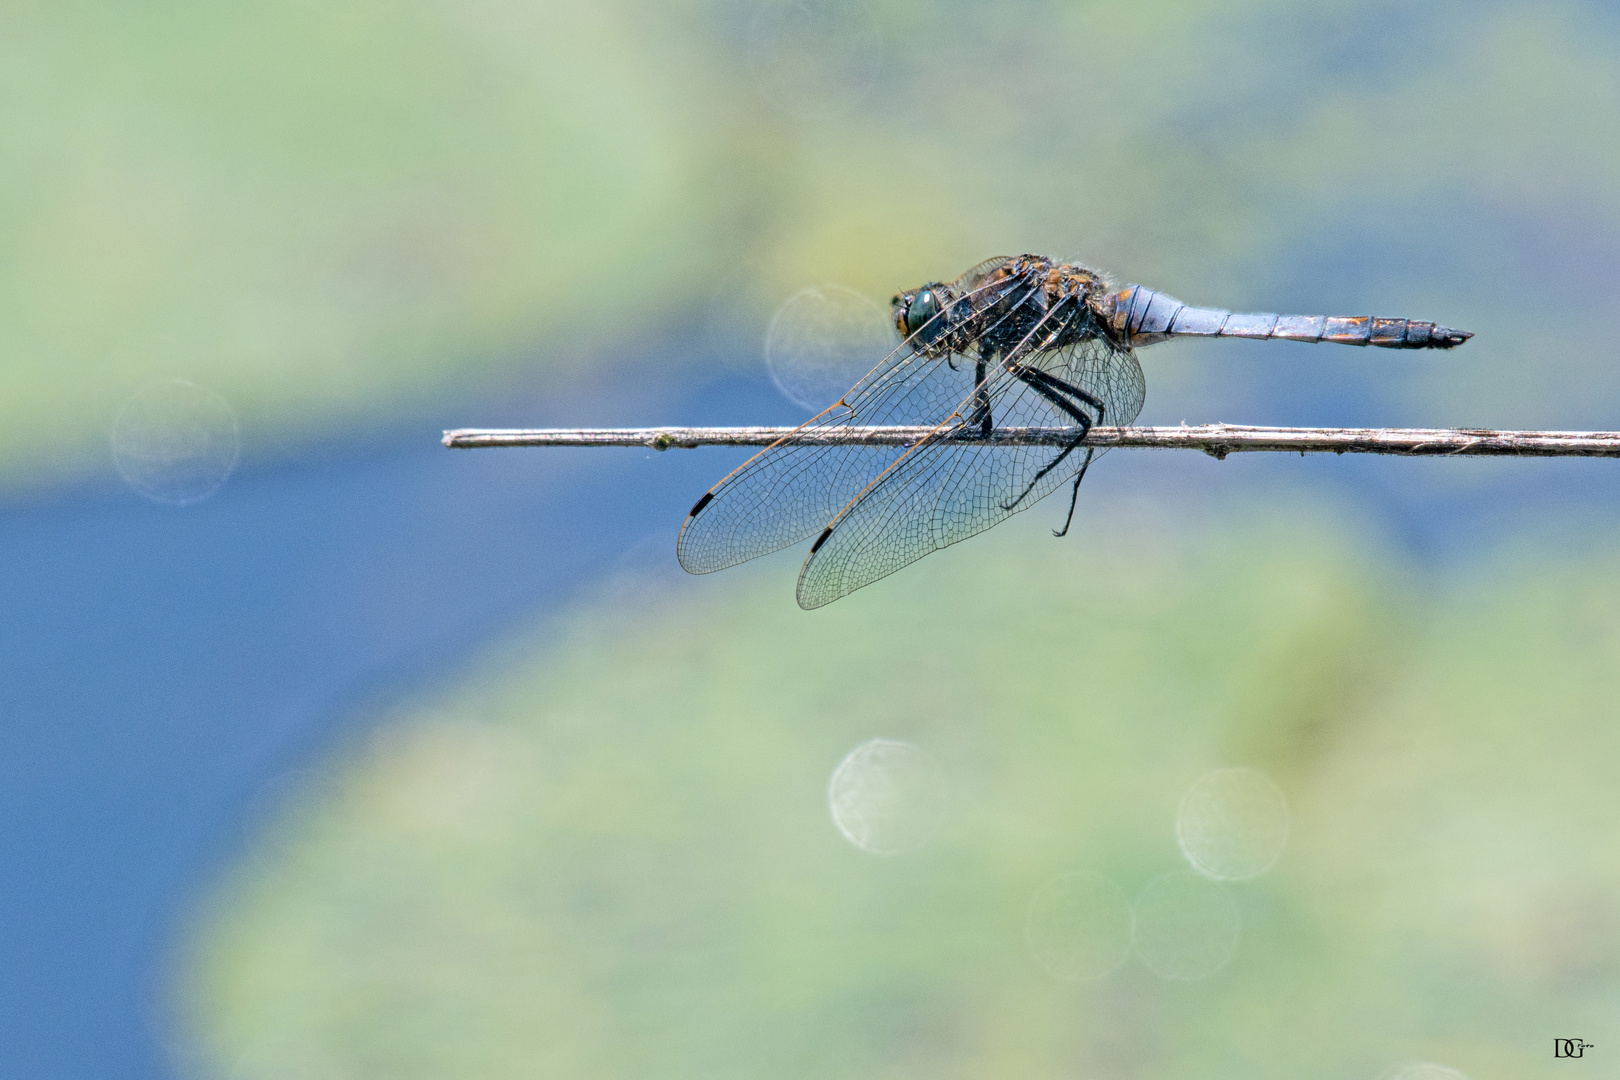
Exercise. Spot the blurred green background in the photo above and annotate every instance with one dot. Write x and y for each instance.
(610, 854)
(603, 848)
(331, 211)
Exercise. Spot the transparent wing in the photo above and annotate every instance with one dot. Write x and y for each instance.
(787, 493)
(944, 490)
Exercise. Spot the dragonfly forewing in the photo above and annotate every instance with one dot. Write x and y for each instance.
(787, 493)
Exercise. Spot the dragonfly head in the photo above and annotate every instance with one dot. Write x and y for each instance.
(920, 313)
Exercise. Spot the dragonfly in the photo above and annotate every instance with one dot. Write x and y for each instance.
(1015, 342)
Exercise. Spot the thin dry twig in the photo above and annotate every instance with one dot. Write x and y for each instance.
(1217, 440)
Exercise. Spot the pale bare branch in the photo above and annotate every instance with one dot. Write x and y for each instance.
(1217, 440)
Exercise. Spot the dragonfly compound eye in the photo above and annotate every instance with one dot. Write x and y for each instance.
(920, 311)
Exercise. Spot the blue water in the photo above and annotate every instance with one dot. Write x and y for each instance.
(163, 664)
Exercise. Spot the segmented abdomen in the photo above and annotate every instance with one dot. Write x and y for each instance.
(1143, 316)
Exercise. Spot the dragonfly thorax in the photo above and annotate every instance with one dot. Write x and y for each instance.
(1003, 306)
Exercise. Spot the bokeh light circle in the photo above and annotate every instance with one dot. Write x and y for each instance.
(887, 796)
(1185, 927)
(175, 442)
(822, 340)
(1232, 824)
(1079, 926)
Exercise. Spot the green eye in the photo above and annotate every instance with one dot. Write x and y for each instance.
(923, 308)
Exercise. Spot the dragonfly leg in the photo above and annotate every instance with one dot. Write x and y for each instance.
(1053, 389)
(981, 400)
(1074, 494)
(1069, 388)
